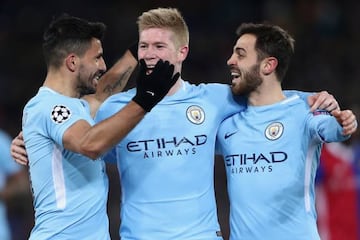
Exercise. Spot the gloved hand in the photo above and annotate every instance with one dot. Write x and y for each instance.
(153, 87)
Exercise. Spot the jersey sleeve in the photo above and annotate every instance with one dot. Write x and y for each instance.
(222, 97)
(303, 95)
(325, 127)
(75, 112)
(54, 116)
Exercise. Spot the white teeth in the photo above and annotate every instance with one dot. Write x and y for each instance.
(235, 75)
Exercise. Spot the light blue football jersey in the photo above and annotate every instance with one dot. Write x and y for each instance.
(8, 167)
(166, 164)
(69, 189)
(271, 154)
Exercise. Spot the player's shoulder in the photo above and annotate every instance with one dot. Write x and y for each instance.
(50, 106)
(113, 103)
(47, 99)
(218, 89)
(296, 107)
(295, 99)
(214, 86)
(121, 97)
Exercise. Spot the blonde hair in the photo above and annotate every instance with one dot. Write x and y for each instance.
(169, 18)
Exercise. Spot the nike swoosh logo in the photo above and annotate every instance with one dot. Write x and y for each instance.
(151, 93)
(227, 135)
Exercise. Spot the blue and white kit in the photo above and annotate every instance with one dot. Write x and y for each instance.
(69, 189)
(271, 154)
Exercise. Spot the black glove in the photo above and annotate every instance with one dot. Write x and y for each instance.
(153, 87)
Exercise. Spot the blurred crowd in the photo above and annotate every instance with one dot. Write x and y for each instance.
(338, 190)
(326, 51)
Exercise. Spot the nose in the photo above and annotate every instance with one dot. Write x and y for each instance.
(230, 61)
(147, 53)
(102, 65)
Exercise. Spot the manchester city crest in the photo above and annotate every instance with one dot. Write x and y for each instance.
(195, 114)
(274, 131)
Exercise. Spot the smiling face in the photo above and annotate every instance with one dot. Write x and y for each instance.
(92, 66)
(245, 66)
(159, 43)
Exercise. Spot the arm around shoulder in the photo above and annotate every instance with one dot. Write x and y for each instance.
(347, 119)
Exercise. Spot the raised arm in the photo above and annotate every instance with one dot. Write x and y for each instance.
(93, 141)
(113, 81)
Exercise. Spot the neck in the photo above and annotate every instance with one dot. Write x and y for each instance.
(61, 84)
(266, 95)
(176, 87)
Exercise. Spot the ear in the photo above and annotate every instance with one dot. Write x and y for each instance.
(71, 62)
(184, 50)
(269, 65)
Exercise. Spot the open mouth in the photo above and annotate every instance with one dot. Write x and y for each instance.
(235, 75)
(96, 79)
(149, 69)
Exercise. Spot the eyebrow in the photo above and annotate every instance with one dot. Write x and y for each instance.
(155, 43)
(100, 54)
(238, 50)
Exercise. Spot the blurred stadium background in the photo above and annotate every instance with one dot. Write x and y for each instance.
(327, 46)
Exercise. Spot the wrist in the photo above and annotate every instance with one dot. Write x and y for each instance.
(143, 102)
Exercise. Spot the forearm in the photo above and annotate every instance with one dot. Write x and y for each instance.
(106, 134)
(116, 78)
(113, 81)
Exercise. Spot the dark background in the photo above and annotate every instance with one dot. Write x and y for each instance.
(326, 52)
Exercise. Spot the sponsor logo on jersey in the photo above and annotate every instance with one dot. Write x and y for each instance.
(161, 147)
(274, 131)
(60, 114)
(195, 114)
(253, 162)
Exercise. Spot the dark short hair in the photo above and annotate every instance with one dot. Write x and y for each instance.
(68, 34)
(271, 41)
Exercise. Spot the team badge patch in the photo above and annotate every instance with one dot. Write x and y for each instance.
(195, 114)
(60, 114)
(274, 131)
(320, 112)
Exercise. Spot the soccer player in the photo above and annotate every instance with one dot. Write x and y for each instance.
(166, 162)
(271, 149)
(64, 146)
